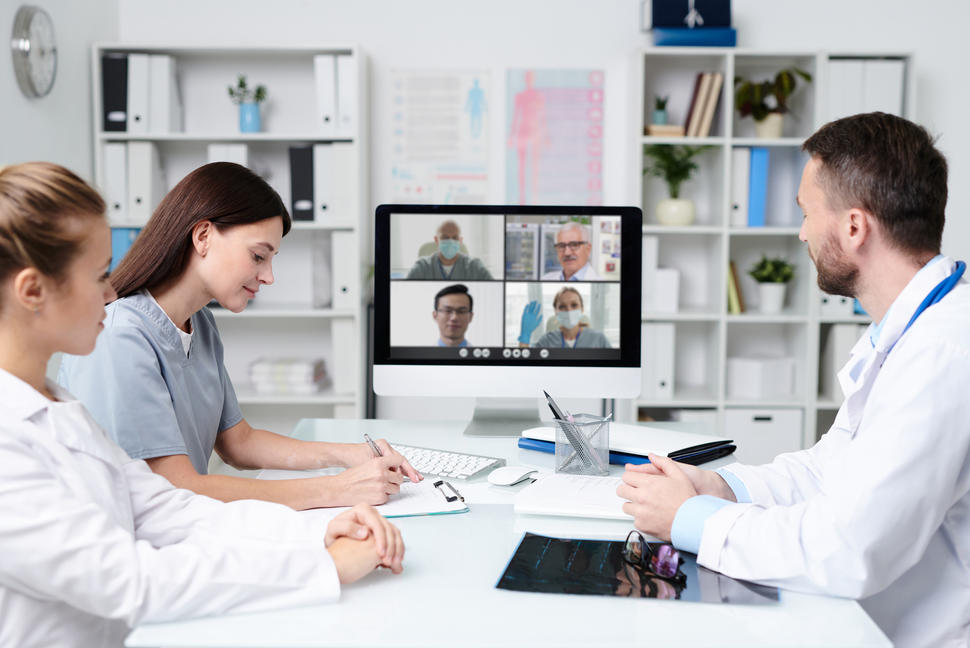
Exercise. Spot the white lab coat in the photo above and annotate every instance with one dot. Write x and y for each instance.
(92, 542)
(879, 508)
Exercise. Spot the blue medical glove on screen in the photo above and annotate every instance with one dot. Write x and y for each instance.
(531, 318)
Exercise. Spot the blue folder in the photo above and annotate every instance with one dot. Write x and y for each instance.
(699, 37)
(620, 458)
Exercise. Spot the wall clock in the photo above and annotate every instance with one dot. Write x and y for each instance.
(34, 51)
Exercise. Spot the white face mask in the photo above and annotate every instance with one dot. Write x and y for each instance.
(569, 319)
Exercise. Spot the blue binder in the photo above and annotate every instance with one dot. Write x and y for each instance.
(702, 455)
(758, 187)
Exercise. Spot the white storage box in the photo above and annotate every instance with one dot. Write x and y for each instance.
(763, 434)
(760, 377)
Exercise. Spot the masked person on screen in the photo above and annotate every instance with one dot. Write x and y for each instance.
(573, 332)
(879, 508)
(453, 313)
(156, 380)
(448, 263)
(93, 542)
(573, 247)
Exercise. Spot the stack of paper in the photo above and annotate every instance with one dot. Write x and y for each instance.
(287, 376)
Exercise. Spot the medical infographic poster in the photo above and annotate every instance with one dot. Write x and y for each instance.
(554, 137)
(439, 137)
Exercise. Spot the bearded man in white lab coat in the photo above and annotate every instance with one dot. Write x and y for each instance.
(879, 509)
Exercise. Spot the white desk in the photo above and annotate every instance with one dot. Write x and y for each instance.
(447, 596)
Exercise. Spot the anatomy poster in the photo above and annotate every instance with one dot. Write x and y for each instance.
(440, 137)
(554, 137)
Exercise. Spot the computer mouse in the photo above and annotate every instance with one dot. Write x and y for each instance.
(510, 475)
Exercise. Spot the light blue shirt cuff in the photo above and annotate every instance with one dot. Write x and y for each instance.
(741, 493)
(689, 522)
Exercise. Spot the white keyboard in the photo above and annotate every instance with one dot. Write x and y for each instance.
(454, 465)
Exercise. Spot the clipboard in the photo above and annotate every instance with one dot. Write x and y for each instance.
(426, 497)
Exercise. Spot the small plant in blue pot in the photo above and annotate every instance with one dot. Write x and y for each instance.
(660, 109)
(248, 100)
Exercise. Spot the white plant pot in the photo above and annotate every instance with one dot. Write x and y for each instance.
(675, 211)
(772, 297)
(770, 127)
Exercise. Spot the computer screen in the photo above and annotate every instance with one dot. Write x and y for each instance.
(507, 300)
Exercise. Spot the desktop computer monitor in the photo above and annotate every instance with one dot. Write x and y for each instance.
(505, 301)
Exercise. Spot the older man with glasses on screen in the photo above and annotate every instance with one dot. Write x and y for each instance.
(453, 314)
(573, 247)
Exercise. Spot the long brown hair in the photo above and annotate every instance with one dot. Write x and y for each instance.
(41, 204)
(223, 193)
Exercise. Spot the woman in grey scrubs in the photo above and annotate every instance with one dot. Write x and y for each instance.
(157, 381)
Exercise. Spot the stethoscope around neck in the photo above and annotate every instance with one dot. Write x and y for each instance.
(939, 292)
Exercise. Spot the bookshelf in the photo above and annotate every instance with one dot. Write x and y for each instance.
(296, 316)
(705, 335)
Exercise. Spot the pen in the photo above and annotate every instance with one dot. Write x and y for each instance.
(373, 446)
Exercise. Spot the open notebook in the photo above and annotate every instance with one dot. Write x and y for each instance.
(422, 498)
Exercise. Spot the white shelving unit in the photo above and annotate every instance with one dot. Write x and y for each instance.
(293, 317)
(705, 334)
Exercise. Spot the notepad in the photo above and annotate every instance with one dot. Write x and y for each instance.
(573, 495)
(421, 498)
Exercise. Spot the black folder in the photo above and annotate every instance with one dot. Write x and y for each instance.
(114, 92)
(301, 183)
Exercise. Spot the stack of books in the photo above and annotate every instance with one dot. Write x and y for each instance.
(283, 376)
(703, 103)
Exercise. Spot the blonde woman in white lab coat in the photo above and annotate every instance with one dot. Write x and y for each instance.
(879, 509)
(93, 542)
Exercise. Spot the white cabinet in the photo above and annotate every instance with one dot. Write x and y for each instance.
(705, 334)
(313, 310)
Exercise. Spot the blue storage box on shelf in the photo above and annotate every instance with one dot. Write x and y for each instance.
(697, 37)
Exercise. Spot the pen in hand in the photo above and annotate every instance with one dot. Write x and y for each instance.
(373, 446)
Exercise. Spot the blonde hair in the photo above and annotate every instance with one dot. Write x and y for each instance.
(563, 291)
(40, 204)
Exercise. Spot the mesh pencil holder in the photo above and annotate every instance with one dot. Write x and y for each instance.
(583, 445)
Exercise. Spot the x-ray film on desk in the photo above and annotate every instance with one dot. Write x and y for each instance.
(560, 566)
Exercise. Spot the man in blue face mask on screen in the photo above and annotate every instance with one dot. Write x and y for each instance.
(448, 262)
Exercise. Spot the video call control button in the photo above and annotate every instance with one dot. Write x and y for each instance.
(477, 353)
(506, 353)
(463, 352)
(516, 353)
(544, 353)
(486, 353)
(526, 353)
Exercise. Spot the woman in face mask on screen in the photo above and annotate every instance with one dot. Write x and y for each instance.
(574, 332)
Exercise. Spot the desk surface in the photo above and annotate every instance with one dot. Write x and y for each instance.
(447, 596)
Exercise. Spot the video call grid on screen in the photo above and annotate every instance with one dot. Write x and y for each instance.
(508, 259)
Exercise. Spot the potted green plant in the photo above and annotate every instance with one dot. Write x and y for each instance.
(772, 275)
(660, 109)
(675, 164)
(248, 100)
(767, 101)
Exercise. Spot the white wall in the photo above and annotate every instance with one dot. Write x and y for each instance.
(57, 127)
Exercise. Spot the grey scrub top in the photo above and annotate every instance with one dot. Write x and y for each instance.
(466, 269)
(140, 386)
(588, 339)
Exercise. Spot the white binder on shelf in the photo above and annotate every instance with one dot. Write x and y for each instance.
(165, 105)
(740, 180)
(325, 73)
(883, 86)
(116, 182)
(139, 75)
(343, 269)
(238, 153)
(657, 360)
(335, 182)
(346, 95)
(146, 184)
(344, 364)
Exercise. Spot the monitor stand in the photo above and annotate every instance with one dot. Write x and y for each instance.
(503, 417)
